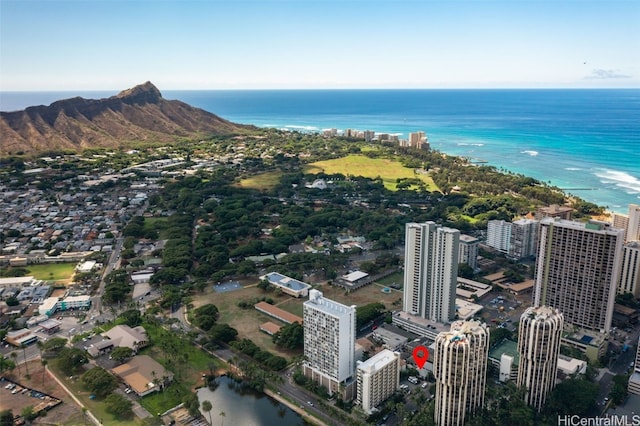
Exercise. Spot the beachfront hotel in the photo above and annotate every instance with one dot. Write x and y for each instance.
(460, 368)
(377, 379)
(430, 271)
(329, 343)
(539, 335)
(577, 271)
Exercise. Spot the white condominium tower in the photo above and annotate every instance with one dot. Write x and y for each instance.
(539, 335)
(630, 272)
(499, 235)
(524, 238)
(431, 271)
(378, 379)
(630, 223)
(633, 228)
(468, 252)
(577, 270)
(329, 341)
(460, 368)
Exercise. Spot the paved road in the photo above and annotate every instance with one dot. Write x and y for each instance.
(113, 263)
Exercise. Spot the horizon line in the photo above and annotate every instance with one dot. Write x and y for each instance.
(323, 89)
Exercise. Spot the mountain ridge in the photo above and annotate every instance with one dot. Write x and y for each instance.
(137, 114)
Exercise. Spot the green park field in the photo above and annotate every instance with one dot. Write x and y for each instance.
(262, 181)
(359, 165)
(52, 271)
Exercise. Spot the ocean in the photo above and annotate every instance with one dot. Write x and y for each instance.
(586, 142)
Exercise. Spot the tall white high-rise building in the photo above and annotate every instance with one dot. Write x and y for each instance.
(329, 341)
(578, 269)
(499, 235)
(630, 223)
(539, 336)
(378, 378)
(630, 271)
(524, 238)
(633, 228)
(460, 368)
(468, 252)
(431, 271)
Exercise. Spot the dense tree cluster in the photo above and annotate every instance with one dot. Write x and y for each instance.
(99, 381)
(117, 287)
(205, 316)
(367, 313)
(71, 359)
(119, 405)
(290, 336)
(266, 358)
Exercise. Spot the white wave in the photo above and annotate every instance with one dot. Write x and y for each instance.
(573, 169)
(477, 144)
(530, 152)
(620, 179)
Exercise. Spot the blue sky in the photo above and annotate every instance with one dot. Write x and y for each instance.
(268, 44)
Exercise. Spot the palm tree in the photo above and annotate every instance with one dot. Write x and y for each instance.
(206, 406)
(14, 355)
(44, 363)
(223, 415)
(24, 353)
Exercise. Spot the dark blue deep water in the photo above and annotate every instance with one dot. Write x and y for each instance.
(584, 141)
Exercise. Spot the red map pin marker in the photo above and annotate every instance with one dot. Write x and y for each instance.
(420, 355)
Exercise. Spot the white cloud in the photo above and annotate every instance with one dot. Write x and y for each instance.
(602, 74)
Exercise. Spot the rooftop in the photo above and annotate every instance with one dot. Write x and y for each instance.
(508, 347)
(284, 281)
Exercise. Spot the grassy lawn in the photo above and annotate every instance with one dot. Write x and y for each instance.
(158, 223)
(263, 181)
(96, 406)
(371, 293)
(293, 306)
(159, 402)
(359, 165)
(396, 278)
(246, 321)
(52, 271)
(469, 219)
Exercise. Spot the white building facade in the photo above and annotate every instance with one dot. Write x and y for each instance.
(378, 378)
(539, 336)
(524, 238)
(329, 341)
(577, 271)
(460, 368)
(499, 235)
(430, 271)
(630, 271)
(468, 252)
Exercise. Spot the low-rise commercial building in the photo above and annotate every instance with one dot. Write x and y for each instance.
(287, 285)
